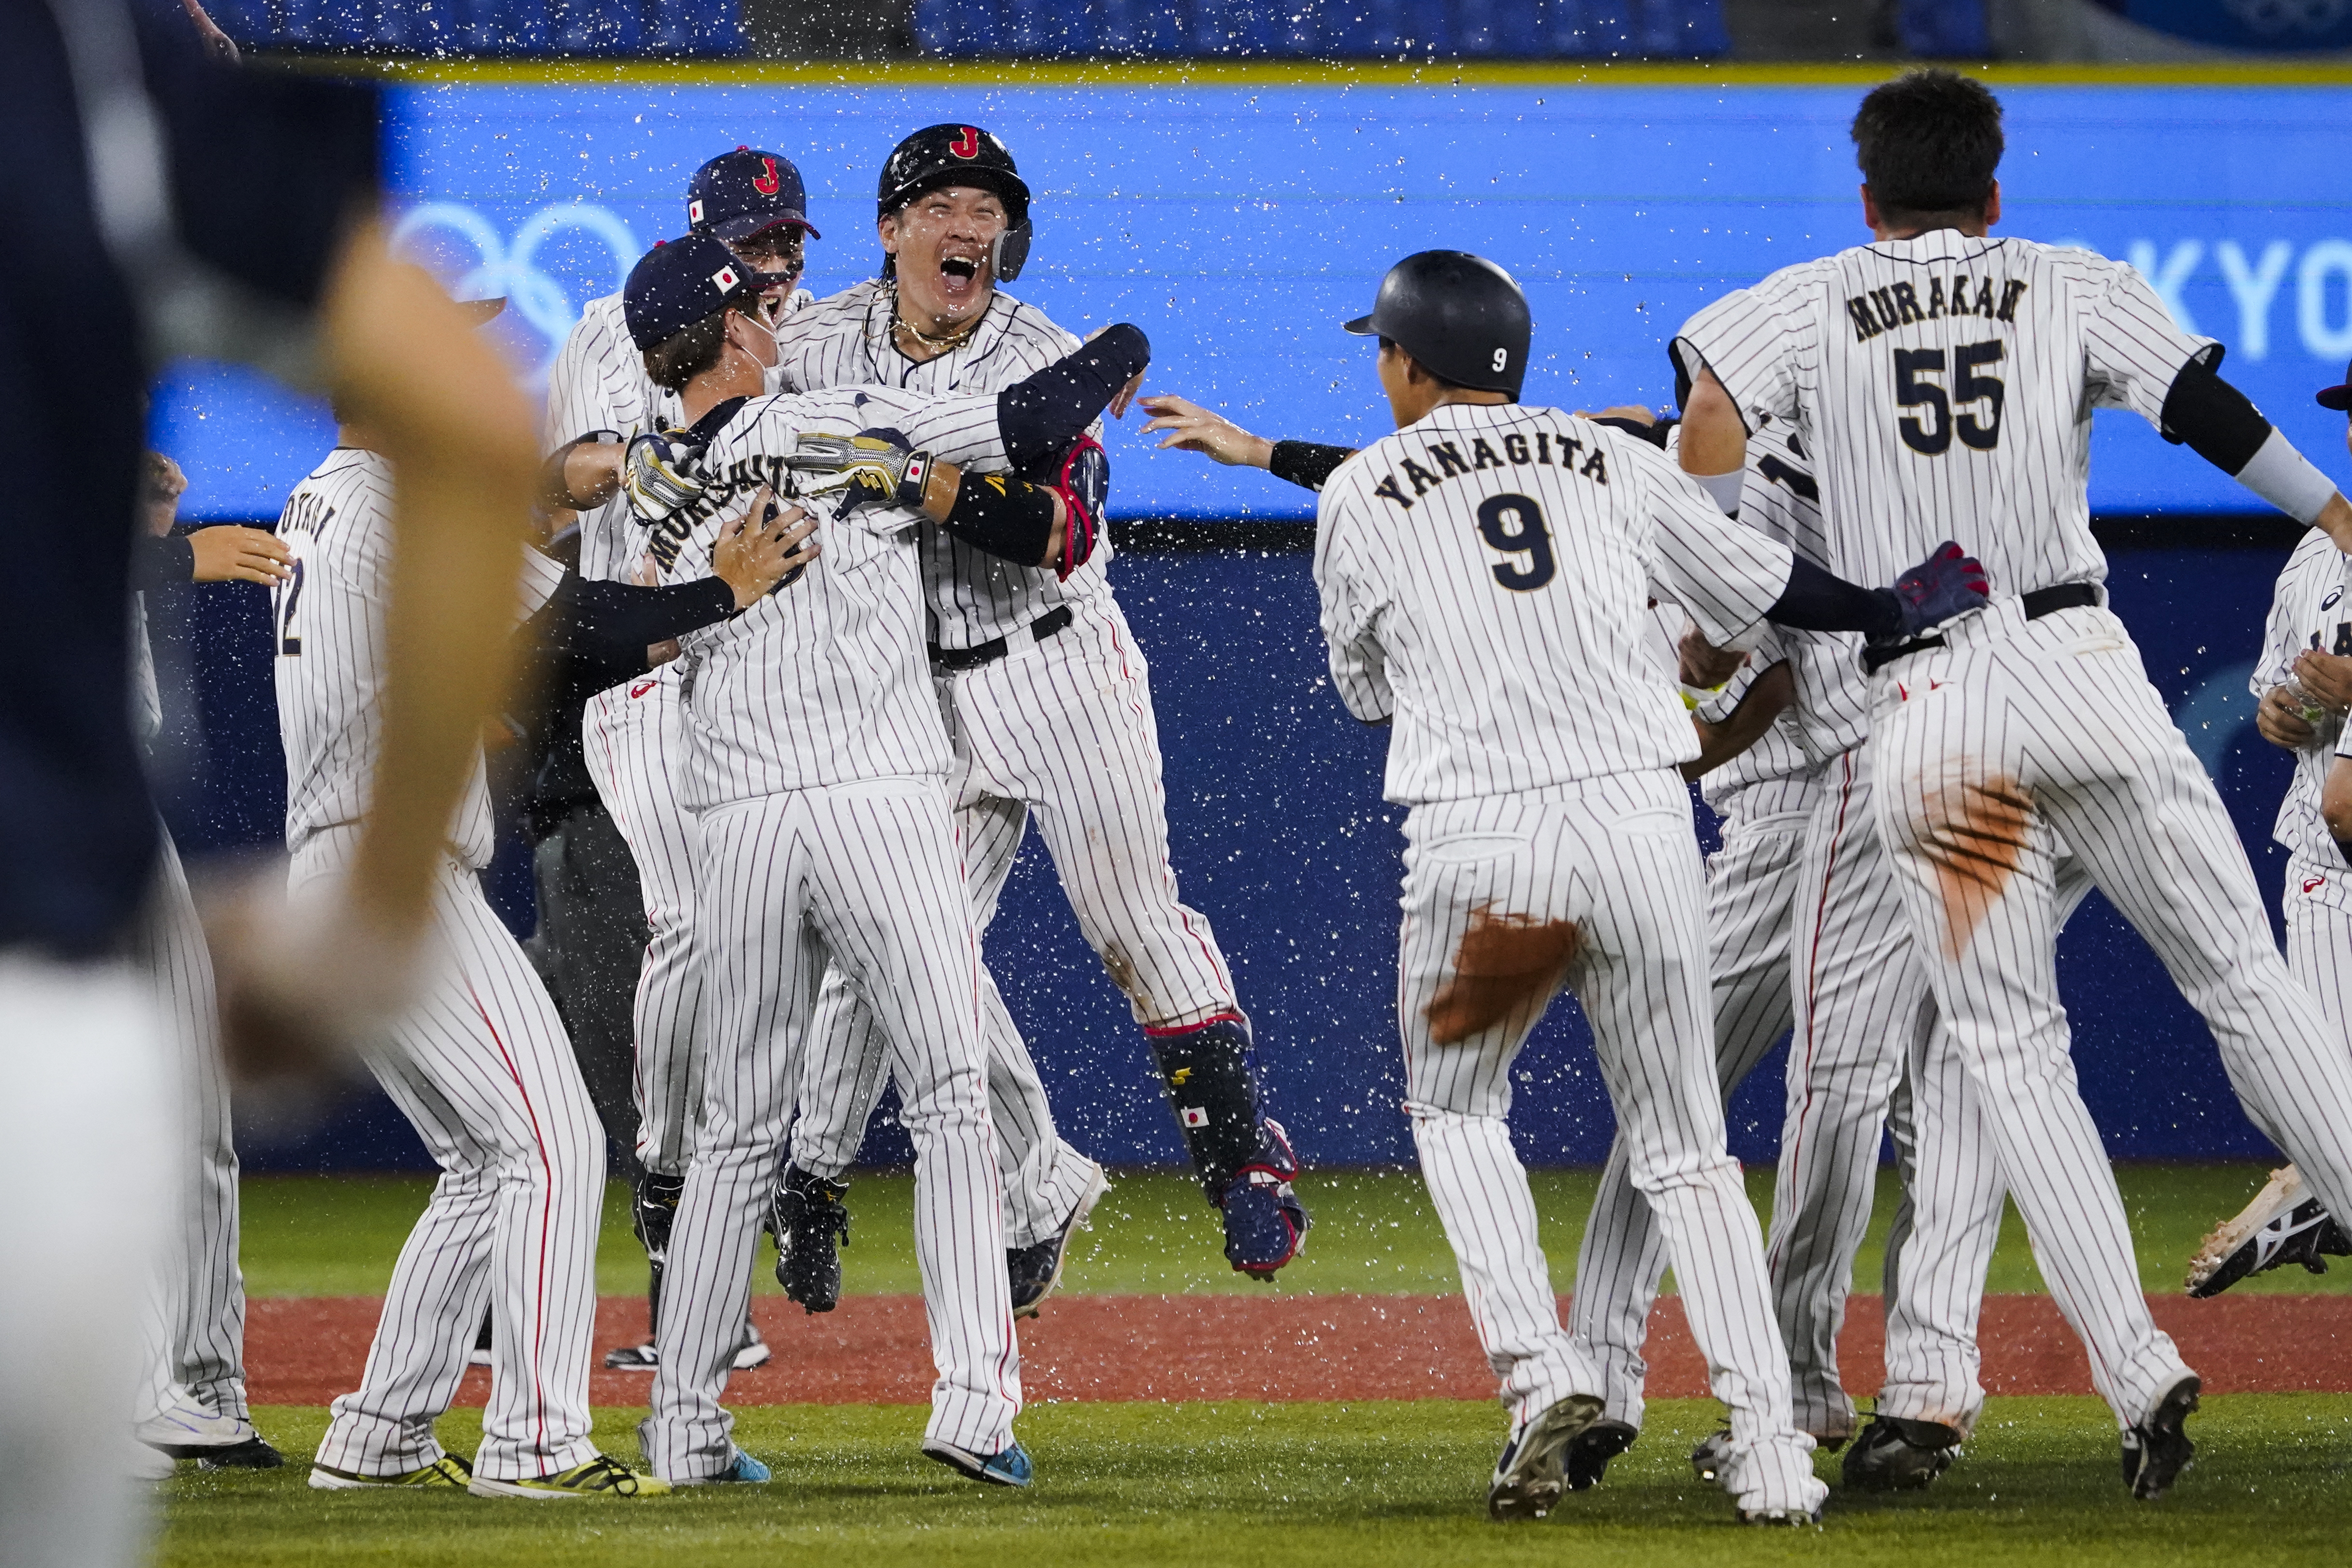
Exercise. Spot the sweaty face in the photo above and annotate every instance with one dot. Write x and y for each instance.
(941, 240)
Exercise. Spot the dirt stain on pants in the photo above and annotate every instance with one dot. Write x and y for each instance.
(1507, 969)
(1974, 835)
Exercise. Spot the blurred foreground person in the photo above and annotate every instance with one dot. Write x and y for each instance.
(160, 205)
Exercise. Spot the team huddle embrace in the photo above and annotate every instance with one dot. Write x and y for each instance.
(823, 594)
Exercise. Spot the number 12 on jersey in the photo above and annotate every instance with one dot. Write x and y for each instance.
(288, 594)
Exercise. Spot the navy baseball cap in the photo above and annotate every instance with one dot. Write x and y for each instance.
(680, 282)
(737, 193)
(2337, 398)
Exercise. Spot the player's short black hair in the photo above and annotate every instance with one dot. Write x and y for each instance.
(1929, 142)
(687, 352)
(1432, 375)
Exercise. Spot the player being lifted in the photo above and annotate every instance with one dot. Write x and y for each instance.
(1050, 711)
(1943, 380)
(1484, 576)
(817, 775)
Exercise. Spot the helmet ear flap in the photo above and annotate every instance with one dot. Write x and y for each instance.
(1008, 252)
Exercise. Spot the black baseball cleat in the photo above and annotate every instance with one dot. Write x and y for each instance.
(1530, 1476)
(254, 1454)
(2285, 1224)
(808, 1216)
(1895, 1455)
(1034, 1271)
(1707, 1459)
(1586, 1458)
(2157, 1449)
(653, 1208)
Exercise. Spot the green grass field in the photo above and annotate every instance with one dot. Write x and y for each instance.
(1366, 1485)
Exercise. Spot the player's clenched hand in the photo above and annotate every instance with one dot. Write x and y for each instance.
(2280, 720)
(661, 471)
(1948, 582)
(1701, 662)
(763, 550)
(2327, 676)
(1191, 428)
(233, 554)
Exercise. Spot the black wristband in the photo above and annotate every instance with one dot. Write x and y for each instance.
(1003, 516)
(1306, 463)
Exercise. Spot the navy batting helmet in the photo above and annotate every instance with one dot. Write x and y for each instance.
(961, 155)
(1460, 314)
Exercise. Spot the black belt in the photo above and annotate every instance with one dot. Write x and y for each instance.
(2040, 602)
(987, 652)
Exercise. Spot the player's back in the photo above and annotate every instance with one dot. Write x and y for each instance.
(1945, 385)
(1502, 557)
(825, 681)
(331, 654)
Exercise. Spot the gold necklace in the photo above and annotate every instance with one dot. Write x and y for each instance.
(942, 343)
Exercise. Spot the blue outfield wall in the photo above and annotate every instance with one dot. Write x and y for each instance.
(1281, 837)
(1239, 225)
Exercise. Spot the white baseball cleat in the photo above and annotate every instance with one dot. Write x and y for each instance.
(184, 1430)
(2285, 1224)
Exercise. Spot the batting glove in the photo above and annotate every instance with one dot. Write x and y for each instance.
(874, 467)
(1950, 583)
(661, 471)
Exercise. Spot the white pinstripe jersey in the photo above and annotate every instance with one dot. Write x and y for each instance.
(2311, 608)
(845, 340)
(599, 383)
(825, 681)
(327, 625)
(1944, 386)
(1486, 577)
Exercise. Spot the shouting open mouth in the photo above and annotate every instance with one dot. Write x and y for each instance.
(960, 280)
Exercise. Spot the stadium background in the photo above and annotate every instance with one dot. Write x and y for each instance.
(1238, 212)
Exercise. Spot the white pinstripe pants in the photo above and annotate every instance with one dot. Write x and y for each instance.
(1750, 886)
(866, 875)
(636, 743)
(2017, 728)
(2317, 900)
(1869, 1049)
(1062, 729)
(197, 1336)
(483, 1071)
(1598, 884)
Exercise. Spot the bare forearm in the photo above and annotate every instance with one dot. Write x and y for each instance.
(459, 436)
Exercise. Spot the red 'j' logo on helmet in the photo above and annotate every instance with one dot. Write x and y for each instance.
(968, 144)
(768, 181)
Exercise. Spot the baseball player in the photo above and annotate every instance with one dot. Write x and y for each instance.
(2304, 685)
(1758, 769)
(481, 1067)
(634, 746)
(1049, 705)
(1942, 379)
(817, 780)
(194, 1406)
(1483, 575)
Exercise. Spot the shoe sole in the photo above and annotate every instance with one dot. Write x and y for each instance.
(972, 1467)
(2279, 1195)
(1081, 1218)
(1538, 1478)
(630, 1358)
(2156, 1470)
(481, 1487)
(253, 1454)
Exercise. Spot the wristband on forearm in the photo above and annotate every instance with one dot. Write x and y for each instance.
(2287, 479)
(1724, 489)
(1307, 464)
(1003, 514)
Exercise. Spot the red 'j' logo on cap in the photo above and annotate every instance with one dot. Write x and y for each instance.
(968, 144)
(767, 182)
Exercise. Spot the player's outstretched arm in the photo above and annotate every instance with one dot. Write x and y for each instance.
(2219, 424)
(1188, 427)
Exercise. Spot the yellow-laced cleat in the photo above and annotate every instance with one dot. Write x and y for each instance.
(447, 1473)
(600, 1477)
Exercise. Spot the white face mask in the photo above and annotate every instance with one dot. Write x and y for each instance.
(772, 366)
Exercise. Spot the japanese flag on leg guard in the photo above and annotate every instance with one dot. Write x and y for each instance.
(1244, 1160)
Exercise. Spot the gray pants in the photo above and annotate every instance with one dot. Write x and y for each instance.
(589, 948)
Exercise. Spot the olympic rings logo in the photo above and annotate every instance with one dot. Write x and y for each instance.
(509, 269)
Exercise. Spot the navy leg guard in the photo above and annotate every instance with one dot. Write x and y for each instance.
(1245, 1161)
